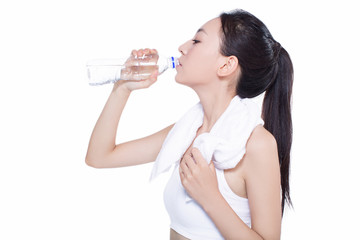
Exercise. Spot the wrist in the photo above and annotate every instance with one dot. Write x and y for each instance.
(213, 202)
(121, 89)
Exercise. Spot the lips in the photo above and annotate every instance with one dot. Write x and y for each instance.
(179, 63)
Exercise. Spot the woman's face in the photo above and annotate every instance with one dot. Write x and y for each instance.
(200, 56)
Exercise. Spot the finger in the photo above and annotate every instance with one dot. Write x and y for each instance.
(153, 51)
(190, 161)
(184, 168)
(153, 76)
(198, 156)
(190, 165)
(182, 175)
(146, 51)
(148, 82)
(140, 53)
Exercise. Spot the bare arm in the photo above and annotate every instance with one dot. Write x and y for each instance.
(262, 177)
(102, 151)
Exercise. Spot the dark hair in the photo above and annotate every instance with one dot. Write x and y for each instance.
(265, 66)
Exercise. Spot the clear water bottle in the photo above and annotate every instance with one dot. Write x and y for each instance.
(103, 71)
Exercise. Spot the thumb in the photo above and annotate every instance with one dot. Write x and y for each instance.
(153, 76)
(148, 82)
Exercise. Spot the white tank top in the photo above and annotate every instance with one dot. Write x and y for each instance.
(189, 219)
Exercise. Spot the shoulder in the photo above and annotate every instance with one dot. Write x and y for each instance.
(260, 139)
(263, 182)
(261, 150)
(258, 167)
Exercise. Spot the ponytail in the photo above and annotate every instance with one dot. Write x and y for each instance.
(276, 112)
(265, 67)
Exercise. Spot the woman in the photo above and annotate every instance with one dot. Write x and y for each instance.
(231, 58)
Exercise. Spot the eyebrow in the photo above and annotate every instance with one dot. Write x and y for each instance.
(201, 30)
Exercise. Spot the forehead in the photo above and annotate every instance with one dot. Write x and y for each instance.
(211, 27)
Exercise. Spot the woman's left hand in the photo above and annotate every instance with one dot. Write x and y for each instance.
(198, 177)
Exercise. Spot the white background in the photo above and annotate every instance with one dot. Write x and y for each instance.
(48, 112)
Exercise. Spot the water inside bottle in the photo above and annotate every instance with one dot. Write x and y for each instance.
(138, 72)
(102, 74)
(102, 71)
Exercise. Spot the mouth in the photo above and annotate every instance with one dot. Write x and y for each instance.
(180, 65)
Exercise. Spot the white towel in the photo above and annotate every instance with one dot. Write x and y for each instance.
(224, 144)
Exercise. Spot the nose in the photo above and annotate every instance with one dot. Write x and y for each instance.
(183, 49)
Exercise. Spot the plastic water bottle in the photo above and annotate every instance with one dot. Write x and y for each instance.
(103, 71)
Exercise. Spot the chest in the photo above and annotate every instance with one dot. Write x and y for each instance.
(234, 177)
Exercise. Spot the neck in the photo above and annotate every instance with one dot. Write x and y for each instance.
(214, 105)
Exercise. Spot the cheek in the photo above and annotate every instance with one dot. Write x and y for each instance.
(198, 69)
(195, 75)
(205, 71)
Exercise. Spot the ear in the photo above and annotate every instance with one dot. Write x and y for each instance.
(228, 66)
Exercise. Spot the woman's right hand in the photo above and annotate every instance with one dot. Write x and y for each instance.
(130, 85)
(103, 152)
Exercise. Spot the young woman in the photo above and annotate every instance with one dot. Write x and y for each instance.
(230, 59)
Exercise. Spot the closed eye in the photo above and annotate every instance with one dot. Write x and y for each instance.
(195, 41)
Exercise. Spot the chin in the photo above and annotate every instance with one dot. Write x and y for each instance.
(178, 79)
(182, 81)
(189, 82)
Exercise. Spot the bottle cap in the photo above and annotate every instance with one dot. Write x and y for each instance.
(174, 62)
